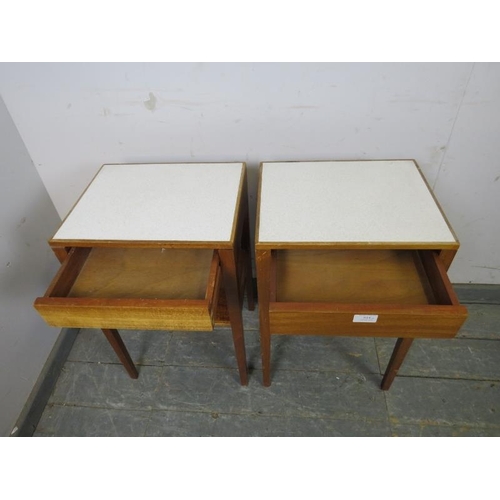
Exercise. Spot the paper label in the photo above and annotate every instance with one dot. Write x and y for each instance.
(365, 318)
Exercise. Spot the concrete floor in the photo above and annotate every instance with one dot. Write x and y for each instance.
(188, 385)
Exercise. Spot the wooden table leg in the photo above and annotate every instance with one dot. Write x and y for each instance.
(245, 245)
(249, 287)
(234, 303)
(397, 358)
(263, 263)
(119, 347)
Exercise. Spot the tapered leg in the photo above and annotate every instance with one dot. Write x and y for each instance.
(249, 288)
(234, 302)
(245, 245)
(397, 358)
(119, 347)
(263, 262)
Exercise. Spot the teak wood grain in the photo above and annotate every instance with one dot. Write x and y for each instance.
(144, 273)
(134, 314)
(155, 284)
(319, 292)
(316, 288)
(393, 320)
(134, 288)
(347, 276)
(236, 277)
(266, 289)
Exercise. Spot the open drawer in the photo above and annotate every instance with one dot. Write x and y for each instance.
(134, 288)
(389, 293)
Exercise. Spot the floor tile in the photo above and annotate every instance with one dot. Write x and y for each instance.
(340, 354)
(105, 385)
(148, 347)
(443, 431)
(201, 389)
(483, 322)
(321, 394)
(214, 349)
(444, 401)
(259, 425)
(448, 358)
(469, 294)
(250, 318)
(67, 421)
(306, 394)
(321, 386)
(179, 423)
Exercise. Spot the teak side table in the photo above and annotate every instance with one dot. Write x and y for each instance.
(353, 248)
(155, 247)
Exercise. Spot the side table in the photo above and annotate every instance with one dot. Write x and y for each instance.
(353, 248)
(161, 246)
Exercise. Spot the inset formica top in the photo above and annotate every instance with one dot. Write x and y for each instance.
(358, 202)
(163, 202)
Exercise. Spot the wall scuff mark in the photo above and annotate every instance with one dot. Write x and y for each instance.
(151, 102)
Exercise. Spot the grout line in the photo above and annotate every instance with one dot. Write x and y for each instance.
(479, 339)
(423, 377)
(150, 365)
(257, 414)
(480, 303)
(453, 126)
(228, 368)
(458, 425)
(306, 370)
(96, 407)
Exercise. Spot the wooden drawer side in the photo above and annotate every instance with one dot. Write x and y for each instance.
(438, 278)
(213, 288)
(68, 273)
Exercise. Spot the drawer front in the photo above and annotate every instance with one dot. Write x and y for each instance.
(376, 321)
(428, 305)
(69, 300)
(125, 313)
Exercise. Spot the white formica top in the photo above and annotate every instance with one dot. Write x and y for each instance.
(348, 201)
(157, 202)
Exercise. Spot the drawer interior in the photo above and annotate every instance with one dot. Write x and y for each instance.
(406, 277)
(148, 288)
(146, 273)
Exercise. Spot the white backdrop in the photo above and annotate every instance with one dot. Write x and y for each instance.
(75, 117)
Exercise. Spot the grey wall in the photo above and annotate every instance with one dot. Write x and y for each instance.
(27, 219)
(75, 117)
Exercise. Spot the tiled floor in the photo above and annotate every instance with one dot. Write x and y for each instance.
(188, 385)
